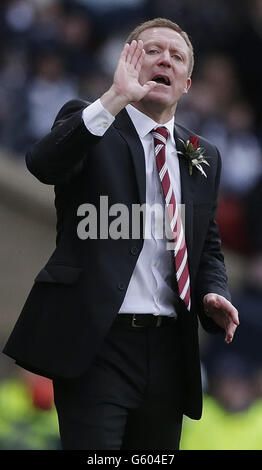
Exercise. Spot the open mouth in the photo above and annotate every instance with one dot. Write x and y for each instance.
(161, 79)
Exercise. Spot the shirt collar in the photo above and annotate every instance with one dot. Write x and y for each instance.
(144, 124)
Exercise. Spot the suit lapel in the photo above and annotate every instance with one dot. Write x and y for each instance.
(187, 189)
(127, 130)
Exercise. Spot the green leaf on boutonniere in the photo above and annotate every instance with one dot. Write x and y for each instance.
(194, 154)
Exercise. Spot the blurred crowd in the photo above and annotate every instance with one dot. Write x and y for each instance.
(54, 50)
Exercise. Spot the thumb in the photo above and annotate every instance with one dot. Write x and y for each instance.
(148, 86)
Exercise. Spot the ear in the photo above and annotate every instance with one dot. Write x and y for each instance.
(188, 85)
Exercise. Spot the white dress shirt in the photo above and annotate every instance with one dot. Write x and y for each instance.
(150, 288)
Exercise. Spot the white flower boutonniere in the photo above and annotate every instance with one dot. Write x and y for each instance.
(194, 154)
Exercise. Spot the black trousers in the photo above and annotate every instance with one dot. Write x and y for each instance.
(131, 397)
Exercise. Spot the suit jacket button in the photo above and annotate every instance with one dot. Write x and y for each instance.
(134, 250)
(121, 286)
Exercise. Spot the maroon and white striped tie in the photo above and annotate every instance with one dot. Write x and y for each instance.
(160, 135)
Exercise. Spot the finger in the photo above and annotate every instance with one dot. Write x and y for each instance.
(140, 62)
(132, 48)
(124, 52)
(137, 52)
(235, 316)
(230, 332)
(138, 57)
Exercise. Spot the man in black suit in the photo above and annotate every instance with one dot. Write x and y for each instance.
(107, 318)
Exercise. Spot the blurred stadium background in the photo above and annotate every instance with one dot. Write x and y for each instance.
(55, 50)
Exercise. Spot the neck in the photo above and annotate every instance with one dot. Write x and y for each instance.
(158, 112)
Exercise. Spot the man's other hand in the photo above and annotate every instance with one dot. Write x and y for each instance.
(223, 313)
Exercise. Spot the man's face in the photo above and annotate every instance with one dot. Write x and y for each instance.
(166, 62)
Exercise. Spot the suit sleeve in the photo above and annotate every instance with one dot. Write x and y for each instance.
(64, 148)
(212, 275)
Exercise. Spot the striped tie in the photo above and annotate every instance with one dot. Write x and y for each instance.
(160, 135)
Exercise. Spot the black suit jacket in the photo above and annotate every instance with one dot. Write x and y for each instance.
(78, 293)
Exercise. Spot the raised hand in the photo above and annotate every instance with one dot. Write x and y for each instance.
(126, 78)
(223, 313)
(126, 87)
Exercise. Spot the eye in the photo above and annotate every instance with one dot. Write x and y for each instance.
(152, 51)
(178, 57)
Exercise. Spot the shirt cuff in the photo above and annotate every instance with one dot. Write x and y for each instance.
(96, 118)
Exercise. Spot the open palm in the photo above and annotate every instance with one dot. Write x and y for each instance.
(126, 78)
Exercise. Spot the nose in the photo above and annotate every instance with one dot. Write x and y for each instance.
(165, 59)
